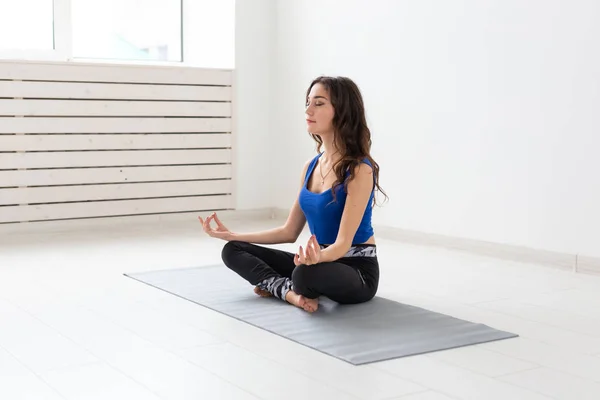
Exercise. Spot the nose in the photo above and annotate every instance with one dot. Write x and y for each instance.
(310, 108)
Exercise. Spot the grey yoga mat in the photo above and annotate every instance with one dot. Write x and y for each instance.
(378, 330)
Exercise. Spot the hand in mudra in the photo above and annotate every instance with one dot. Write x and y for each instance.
(312, 255)
(221, 232)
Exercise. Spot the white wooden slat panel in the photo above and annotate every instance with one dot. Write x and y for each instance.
(113, 142)
(113, 208)
(112, 158)
(98, 140)
(60, 194)
(79, 72)
(112, 125)
(78, 90)
(116, 108)
(77, 176)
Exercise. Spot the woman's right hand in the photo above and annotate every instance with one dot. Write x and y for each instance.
(221, 232)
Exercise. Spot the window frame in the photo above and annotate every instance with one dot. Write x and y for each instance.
(63, 39)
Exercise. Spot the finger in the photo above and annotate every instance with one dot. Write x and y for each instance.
(207, 226)
(203, 222)
(313, 253)
(316, 243)
(310, 254)
(218, 221)
(313, 247)
(302, 257)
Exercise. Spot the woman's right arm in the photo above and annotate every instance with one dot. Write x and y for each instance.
(287, 233)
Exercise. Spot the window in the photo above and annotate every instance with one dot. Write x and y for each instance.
(127, 29)
(20, 28)
(191, 32)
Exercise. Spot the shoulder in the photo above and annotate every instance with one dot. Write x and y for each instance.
(362, 175)
(361, 178)
(308, 164)
(311, 161)
(364, 168)
(365, 160)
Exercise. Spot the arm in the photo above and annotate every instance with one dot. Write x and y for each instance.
(359, 191)
(270, 236)
(287, 233)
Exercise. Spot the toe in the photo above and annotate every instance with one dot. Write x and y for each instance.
(302, 301)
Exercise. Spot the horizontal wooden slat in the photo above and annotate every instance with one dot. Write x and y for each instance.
(113, 208)
(113, 142)
(78, 90)
(79, 72)
(75, 176)
(112, 125)
(59, 194)
(115, 108)
(112, 158)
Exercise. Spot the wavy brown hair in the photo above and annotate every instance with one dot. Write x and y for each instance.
(352, 137)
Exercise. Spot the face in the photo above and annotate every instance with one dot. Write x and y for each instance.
(319, 111)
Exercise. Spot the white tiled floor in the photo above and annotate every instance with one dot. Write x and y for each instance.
(73, 327)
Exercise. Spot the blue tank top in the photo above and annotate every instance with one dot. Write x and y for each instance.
(324, 215)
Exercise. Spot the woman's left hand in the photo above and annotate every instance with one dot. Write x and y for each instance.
(311, 256)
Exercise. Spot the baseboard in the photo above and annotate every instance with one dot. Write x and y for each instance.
(497, 250)
(279, 213)
(588, 265)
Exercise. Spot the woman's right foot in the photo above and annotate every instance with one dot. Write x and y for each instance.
(308, 305)
(262, 292)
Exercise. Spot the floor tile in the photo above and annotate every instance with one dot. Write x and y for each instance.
(96, 381)
(557, 384)
(455, 381)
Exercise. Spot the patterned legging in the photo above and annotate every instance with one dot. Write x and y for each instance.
(353, 278)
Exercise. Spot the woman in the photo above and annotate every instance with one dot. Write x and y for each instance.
(336, 196)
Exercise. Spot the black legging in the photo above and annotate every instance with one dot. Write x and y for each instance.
(348, 280)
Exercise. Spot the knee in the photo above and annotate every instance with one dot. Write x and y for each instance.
(302, 276)
(228, 250)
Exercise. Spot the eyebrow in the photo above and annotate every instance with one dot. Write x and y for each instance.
(320, 97)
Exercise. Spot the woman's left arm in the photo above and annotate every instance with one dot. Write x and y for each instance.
(357, 200)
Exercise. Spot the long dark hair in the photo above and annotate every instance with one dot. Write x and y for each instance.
(352, 137)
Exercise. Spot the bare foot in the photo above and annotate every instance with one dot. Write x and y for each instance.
(308, 305)
(261, 292)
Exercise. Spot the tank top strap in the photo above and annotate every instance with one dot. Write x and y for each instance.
(311, 167)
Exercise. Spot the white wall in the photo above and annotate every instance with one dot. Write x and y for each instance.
(255, 40)
(485, 114)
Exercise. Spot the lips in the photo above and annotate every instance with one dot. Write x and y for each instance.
(309, 121)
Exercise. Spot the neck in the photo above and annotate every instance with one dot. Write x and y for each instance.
(331, 153)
